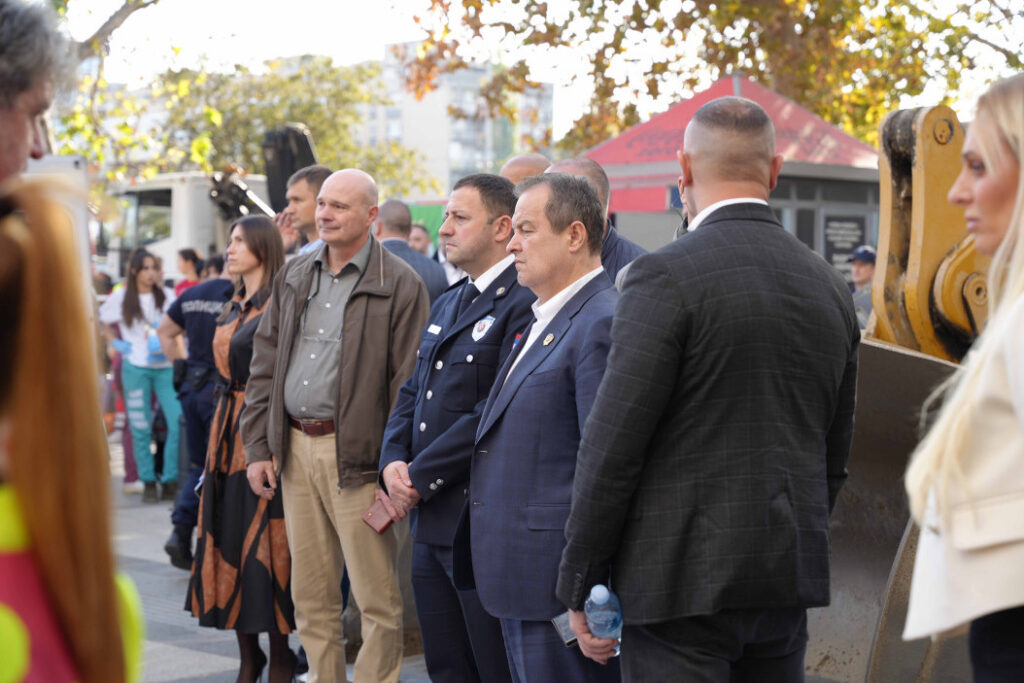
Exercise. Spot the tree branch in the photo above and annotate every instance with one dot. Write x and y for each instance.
(1012, 58)
(90, 47)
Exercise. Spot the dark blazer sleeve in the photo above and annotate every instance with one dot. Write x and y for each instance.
(448, 456)
(398, 432)
(637, 385)
(839, 439)
(411, 310)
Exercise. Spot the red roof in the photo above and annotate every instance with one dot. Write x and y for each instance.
(800, 135)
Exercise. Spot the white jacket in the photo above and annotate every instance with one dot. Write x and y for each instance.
(972, 563)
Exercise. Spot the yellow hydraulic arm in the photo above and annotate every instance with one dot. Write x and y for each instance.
(929, 292)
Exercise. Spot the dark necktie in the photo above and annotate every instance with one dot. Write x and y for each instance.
(469, 293)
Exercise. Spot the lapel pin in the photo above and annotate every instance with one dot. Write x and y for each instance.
(548, 339)
(501, 290)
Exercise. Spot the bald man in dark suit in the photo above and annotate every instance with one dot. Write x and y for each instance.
(718, 441)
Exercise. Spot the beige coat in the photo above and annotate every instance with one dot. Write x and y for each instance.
(384, 317)
(972, 563)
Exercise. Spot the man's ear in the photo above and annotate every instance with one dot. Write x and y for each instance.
(577, 236)
(503, 229)
(376, 229)
(374, 213)
(686, 167)
(773, 179)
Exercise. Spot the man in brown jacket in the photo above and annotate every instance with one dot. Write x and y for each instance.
(335, 344)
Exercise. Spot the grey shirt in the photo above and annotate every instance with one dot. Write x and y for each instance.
(311, 384)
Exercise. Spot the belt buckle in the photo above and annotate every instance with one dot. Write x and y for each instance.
(306, 425)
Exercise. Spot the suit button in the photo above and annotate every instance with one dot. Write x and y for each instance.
(433, 487)
(465, 492)
(423, 426)
(469, 358)
(440, 482)
(430, 394)
(439, 364)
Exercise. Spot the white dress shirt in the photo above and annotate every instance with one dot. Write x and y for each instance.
(546, 312)
(491, 274)
(699, 218)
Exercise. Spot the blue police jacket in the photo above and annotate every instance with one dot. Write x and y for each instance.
(435, 418)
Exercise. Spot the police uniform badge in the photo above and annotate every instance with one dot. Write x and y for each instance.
(481, 327)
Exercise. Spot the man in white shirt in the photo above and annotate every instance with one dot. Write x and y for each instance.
(524, 461)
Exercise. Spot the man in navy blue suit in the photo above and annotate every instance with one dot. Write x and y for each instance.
(520, 487)
(429, 438)
(394, 224)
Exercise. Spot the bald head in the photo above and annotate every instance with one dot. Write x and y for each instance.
(728, 152)
(352, 179)
(395, 219)
(733, 138)
(589, 170)
(346, 207)
(524, 166)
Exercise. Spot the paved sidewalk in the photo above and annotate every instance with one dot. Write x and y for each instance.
(176, 648)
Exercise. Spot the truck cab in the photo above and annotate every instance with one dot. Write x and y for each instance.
(169, 212)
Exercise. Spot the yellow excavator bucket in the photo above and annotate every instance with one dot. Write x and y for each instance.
(929, 300)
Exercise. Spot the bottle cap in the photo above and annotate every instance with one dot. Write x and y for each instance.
(599, 594)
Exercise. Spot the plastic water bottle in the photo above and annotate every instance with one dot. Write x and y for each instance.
(604, 613)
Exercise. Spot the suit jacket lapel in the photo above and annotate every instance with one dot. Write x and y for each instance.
(503, 391)
(483, 304)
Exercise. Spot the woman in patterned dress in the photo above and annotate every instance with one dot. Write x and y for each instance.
(241, 574)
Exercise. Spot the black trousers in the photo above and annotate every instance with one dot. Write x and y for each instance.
(997, 647)
(197, 407)
(731, 646)
(462, 643)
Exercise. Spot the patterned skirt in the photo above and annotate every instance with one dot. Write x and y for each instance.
(242, 569)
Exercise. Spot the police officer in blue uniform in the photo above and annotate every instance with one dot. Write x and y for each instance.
(428, 443)
(194, 316)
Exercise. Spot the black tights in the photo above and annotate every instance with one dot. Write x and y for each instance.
(282, 659)
(997, 646)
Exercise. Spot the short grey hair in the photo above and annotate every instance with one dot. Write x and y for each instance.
(572, 199)
(32, 49)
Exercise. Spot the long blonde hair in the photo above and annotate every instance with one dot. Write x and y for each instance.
(939, 456)
(58, 463)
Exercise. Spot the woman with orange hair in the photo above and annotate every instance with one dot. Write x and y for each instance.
(63, 615)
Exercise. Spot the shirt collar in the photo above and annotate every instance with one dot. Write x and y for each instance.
(492, 273)
(699, 218)
(255, 301)
(360, 260)
(547, 311)
(311, 246)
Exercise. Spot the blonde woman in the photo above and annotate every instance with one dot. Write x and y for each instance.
(966, 478)
(63, 616)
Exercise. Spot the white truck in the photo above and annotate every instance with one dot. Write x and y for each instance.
(169, 212)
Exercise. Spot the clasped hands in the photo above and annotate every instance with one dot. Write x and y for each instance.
(402, 496)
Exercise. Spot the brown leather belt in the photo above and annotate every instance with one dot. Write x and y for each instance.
(312, 427)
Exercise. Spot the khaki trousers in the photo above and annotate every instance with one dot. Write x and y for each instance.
(326, 534)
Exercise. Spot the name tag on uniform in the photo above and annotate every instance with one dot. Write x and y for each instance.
(434, 329)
